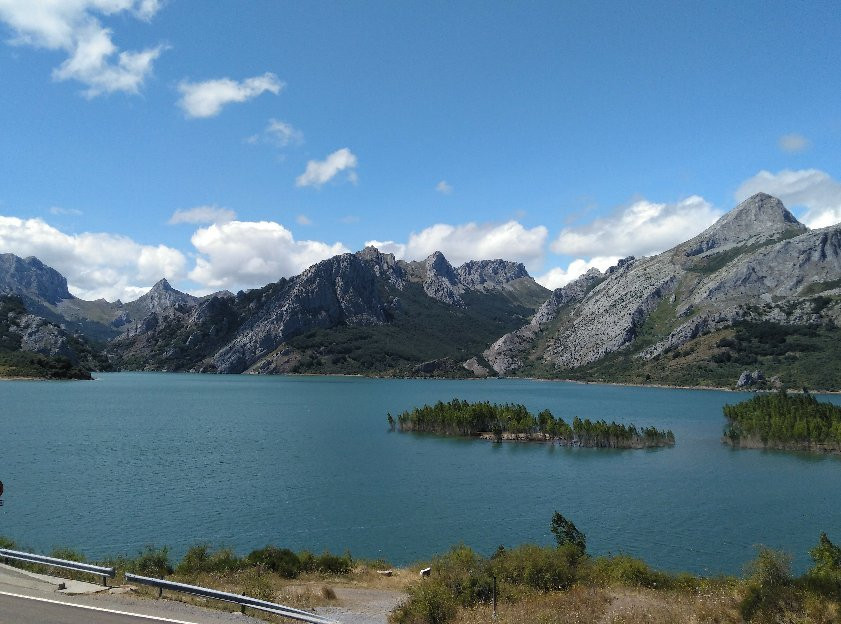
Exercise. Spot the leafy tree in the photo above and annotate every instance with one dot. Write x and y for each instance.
(567, 533)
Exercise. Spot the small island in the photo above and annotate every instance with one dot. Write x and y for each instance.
(784, 421)
(515, 422)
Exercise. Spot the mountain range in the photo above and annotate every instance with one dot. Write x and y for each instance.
(756, 291)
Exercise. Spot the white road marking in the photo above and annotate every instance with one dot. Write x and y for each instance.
(89, 608)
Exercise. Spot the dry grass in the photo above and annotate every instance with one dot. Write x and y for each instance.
(592, 605)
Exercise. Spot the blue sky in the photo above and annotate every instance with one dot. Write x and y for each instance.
(226, 144)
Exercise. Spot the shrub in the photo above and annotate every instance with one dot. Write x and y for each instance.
(627, 571)
(282, 561)
(256, 585)
(200, 559)
(151, 561)
(430, 602)
(541, 568)
(769, 592)
(334, 564)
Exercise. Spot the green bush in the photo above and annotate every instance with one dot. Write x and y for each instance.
(328, 563)
(825, 576)
(430, 602)
(282, 561)
(769, 592)
(626, 571)
(200, 558)
(538, 567)
(151, 561)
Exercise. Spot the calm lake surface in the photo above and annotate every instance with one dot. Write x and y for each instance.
(132, 459)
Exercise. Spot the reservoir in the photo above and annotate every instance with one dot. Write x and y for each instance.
(136, 459)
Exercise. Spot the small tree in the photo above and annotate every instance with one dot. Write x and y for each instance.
(567, 533)
(391, 421)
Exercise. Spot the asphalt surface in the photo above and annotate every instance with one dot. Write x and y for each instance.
(27, 598)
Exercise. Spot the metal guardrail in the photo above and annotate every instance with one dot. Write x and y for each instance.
(243, 601)
(105, 573)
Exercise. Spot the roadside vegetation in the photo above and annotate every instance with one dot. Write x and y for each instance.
(556, 584)
(562, 584)
(514, 421)
(784, 421)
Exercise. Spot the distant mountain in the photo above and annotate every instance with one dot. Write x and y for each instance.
(31, 346)
(353, 313)
(755, 289)
(755, 298)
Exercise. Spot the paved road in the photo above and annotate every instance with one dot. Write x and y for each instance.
(34, 599)
(21, 609)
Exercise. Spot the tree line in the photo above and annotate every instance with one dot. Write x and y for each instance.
(463, 418)
(784, 420)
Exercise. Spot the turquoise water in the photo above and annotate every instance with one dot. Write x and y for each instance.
(132, 459)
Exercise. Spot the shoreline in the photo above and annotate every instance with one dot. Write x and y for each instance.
(466, 379)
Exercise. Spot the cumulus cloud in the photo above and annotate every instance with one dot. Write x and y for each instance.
(444, 188)
(73, 27)
(812, 189)
(557, 277)
(96, 265)
(206, 99)
(282, 134)
(202, 214)
(472, 241)
(319, 172)
(246, 254)
(639, 229)
(793, 143)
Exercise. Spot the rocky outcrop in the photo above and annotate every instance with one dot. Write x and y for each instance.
(756, 263)
(487, 275)
(748, 379)
(342, 289)
(759, 218)
(31, 279)
(506, 354)
(441, 281)
(162, 300)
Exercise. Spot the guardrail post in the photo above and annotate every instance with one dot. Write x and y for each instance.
(160, 592)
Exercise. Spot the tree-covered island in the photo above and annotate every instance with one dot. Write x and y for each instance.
(515, 422)
(784, 421)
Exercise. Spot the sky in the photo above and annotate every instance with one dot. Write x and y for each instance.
(227, 144)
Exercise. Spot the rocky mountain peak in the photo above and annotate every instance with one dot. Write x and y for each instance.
(32, 279)
(490, 274)
(162, 298)
(384, 265)
(760, 217)
(162, 286)
(441, 281)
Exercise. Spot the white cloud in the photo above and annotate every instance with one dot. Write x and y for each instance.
(794, 143)
(320, 171)
(72, 26)
(303, 219)
(95, 264)
(246, 254)
(557, 277)
(813, 189)
(282, 134)
(349, 219)
(206, 99)
(58, 210)
(640, 229)
(444, 188)
(202, 214)
(472, 241)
